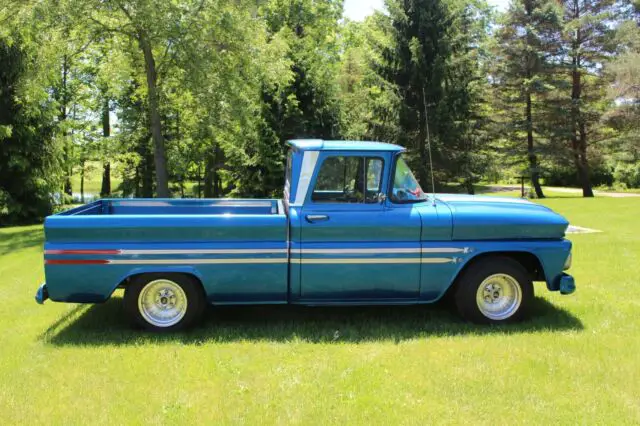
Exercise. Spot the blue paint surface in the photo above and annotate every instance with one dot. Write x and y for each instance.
(271, 251)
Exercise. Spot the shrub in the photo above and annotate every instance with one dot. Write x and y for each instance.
(628, 174)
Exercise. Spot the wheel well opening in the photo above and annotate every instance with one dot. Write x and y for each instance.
(529, 262)
(125, 282)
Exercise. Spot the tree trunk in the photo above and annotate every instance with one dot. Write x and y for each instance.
(578, 132)
(422, 136)
(160, 158)
(64, 100)
(468, 184)
(209, 175)
(200, 183)
(82, 181)
(144, 186)
(147, 176)
(217, 182)
(105, 189)
(583, 168)
(533, 159)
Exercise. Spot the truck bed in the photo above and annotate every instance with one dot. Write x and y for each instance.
(169, 220)
(154, 206)
(238, 249)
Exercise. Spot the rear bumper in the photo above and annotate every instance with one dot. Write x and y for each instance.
(42, 294)
(566, 284)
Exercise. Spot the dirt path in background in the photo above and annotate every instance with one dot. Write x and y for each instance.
(501, 188)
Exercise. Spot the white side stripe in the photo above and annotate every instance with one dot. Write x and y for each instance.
(383, 250)
(191, 261)
(325, 261)
(207, 251)
(375, 260)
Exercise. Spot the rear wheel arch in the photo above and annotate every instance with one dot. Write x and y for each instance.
(124, 282)
(129, 278)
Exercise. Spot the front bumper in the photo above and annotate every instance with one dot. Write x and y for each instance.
(566, 284)
(42, 294)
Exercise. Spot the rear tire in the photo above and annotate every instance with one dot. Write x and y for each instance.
(164, 302)
(495, 290)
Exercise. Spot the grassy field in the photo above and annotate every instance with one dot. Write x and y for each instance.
(576, 362)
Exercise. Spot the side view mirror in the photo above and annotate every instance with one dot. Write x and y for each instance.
(382, 197)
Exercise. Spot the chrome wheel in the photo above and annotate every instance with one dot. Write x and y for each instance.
(162, 303)
(499, 296)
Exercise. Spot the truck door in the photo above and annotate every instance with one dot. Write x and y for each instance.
(354, 246)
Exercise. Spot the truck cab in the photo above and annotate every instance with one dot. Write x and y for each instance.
(354, 227)
(358, 218)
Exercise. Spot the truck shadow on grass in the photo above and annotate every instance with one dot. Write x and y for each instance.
(106, 324)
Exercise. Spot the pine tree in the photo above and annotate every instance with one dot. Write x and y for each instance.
(587, 36)
(27, 150)
(433, 63)
(528, 44)
(416, 64)
(624, 116)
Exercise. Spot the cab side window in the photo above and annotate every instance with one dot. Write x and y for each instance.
(348, 179)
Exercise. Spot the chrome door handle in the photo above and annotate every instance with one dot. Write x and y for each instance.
(316, 217)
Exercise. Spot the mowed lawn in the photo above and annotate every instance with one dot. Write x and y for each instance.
(576, 361)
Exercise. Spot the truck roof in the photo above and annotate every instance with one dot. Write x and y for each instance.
(323, 145)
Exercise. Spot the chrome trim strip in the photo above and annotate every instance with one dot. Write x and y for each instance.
(439, 260)
(192, 261)
(174, 251)
(264, 251)
(446, 250)
(309, 160)
(358, 251)
(358, 261)
(220, 202)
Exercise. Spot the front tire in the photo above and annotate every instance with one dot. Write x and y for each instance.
(495, 290)
(164, 302)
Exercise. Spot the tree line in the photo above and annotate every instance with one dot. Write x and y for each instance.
(197, 97)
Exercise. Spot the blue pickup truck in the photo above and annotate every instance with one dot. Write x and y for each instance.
(354, 228)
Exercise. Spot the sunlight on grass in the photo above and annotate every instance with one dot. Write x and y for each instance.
(576, 361)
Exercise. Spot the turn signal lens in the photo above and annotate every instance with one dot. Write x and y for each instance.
(567, 263)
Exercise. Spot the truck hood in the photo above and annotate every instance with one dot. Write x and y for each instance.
(477, 217)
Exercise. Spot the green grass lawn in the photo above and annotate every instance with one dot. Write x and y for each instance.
(577, 361)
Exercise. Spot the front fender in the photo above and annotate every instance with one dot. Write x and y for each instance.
(550, 255)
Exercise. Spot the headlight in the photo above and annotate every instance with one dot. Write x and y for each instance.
(567, 263)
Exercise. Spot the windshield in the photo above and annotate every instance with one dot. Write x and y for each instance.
(405, 186)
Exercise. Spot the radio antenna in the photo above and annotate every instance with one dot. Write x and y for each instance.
(426, 117)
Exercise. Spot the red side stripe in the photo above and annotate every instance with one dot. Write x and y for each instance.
(82, 252)
(76, 261)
